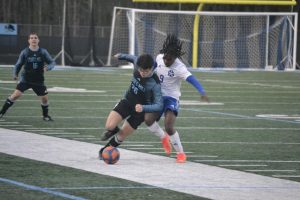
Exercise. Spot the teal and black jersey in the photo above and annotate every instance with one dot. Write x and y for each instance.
(34, 63)
(144, 91)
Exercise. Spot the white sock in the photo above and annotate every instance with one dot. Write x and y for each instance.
(176, 143)
(157, 130)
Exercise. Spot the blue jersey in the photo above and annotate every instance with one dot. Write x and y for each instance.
(144, 91)
(34, 63)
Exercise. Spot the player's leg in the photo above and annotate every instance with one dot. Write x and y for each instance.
(21, 87)
(153, 126)
(45, 108)
(121, 110)
(42, 93)
(111, 125)
(170, 119)
(125, 131)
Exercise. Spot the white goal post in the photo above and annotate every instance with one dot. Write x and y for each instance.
(226, 40)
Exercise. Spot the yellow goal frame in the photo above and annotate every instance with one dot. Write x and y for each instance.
(201, 4)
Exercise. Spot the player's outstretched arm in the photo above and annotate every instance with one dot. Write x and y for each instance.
(192, 80)
(127, 57)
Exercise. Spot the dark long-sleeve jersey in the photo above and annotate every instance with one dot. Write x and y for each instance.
(34, 63)
(144, 91)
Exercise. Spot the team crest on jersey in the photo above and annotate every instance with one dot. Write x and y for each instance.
(171, 73)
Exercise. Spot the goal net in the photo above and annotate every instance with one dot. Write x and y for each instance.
(223, 40)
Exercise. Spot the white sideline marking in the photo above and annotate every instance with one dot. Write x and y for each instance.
(296, 117)
(192, 178)
(64, 89)
(7, 81)
(286, 176)
(243, 165)
(190, 102)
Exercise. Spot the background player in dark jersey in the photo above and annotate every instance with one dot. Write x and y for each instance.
(36, 61)
(143, 96)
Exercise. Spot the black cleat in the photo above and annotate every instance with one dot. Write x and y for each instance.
(47, 118)
(107, 134)
(100, 153)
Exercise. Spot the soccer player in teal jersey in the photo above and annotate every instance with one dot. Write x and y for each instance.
(142, 98)
(35, 61)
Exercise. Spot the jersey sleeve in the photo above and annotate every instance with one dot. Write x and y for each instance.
(192, 80)
(157, 103)
(19, 64)
(183, 72)
(49, 60)
(127, 57)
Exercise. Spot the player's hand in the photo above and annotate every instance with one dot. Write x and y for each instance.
(117, 55)
(138, 108)
(205, 98)
(45, 68)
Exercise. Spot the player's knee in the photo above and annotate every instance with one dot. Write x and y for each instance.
(150, 119)
(170, 130)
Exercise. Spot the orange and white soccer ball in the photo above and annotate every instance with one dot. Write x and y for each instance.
(111, 155)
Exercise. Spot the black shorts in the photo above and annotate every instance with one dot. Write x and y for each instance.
(40, 90)
(126, 110)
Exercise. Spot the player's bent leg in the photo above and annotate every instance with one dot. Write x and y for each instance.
(109, 133)
(125, 131)
(9, 102)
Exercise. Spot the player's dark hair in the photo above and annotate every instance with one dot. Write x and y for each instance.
(172, 46)
(32, 33)
(145, 61)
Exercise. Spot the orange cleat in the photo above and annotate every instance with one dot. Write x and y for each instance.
(166, 144)
(181, 158)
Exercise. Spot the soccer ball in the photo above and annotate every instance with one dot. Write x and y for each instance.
(110, 155)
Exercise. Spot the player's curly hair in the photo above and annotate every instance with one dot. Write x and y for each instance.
(172, 46)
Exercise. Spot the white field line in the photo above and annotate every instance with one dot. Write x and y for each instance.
(14, 125)
(242, 165)
(191, 178)
(180, 128)
(172, 153)
(252, 161)
(137, 145)
(40, 130)
(106, 108)
(252, 84)
(195, 102)
(59, 133)
(286, 176)
(270, 170)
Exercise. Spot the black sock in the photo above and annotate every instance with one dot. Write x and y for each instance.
(8, 103)
(115, 142)
(45, 110)
(116, 130)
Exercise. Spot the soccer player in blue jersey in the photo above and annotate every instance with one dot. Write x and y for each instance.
(171, 72)
(35, 61)
(143, 97)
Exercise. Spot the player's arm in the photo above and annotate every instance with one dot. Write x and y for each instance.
(193, 81)
(49, 60)
(19, 64)
(126, 57)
